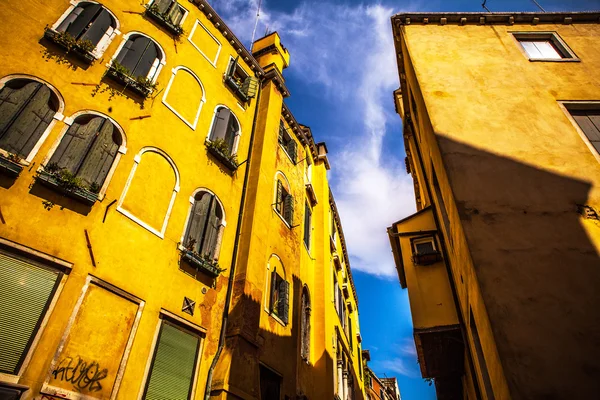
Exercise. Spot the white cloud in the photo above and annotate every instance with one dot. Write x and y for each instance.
(399, 366)
(347, 53)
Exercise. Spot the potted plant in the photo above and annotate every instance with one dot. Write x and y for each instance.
(201, 262)
(164, 19)
(81, 48)
(220, 150)
(10, 164)
(427, 258)
(65, 182)
(140, 84)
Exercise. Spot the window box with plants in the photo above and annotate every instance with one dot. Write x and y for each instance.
(67, 183)
(10, 164)
(426, 258)
(81, 48)
(237, 86)
(219, 149)
(165, 20)
(140, 85)
(201, 263)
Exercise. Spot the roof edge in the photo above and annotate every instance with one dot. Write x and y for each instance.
(496, 18)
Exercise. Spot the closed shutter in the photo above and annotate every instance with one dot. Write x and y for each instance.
(232, 130)
(197, 222)
(219, 129)
(279, 199)
(147, 61)
(292, 150)
(284, 293)
(175, 13)
(212, 229)
(83, 20)
(101, 156)
(69, 19)
(589, 122)
(76, 142)
(14, 96)
(174, 363)
(307, 226)
(132, 52)
(162, 5)
(25, 292)
(281, 131)
(99, 27)
(288, 209)
(274, 291)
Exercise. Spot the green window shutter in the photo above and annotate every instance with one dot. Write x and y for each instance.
(281, 131)
(274, 292)
(288, 209)
(173, 366)
(284, 292)
(279, 200)
(307, 225)
(25, 292)
(292, 150)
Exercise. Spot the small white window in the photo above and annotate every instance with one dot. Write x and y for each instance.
(425, 251)
(540, 49)
(544, 46)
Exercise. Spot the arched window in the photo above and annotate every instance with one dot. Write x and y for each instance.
(87, 150)
(90, 21)
(305, 325)
(27, 108)
(225, 129)
(141, 57)
(205, 226)
(284, 201)
(278, 290)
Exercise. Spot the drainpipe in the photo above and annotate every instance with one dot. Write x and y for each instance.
(238, 230)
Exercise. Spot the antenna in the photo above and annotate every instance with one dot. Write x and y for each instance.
(483, 5)
(537, 4)
(256, 22)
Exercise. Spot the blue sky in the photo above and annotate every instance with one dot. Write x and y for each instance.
(341, 76)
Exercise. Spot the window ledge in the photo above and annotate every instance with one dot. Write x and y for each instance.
(283, 219)
(129, 82)
(227, 161)
(286, 153)
(54, 37)
(276, 318)
(554, 60)
(427, 258)
(311, 194)
(80, 194)
(10, 168)
(174, 29)
(200, 264)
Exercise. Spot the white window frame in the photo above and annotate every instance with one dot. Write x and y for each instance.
(26, 253)
(66, 394)
(236, 141)
(137, 159)
(122, 149)
(567, 55)
(172, 108)
(212, 62)
(160, 65)
(58, 116)
(105, 41)
(424, 239)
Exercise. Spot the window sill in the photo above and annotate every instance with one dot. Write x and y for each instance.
(176, 30)
(426, 259)
(200, 264)
(276, 318)
(230, 164)
(10, 168)
(80, 194)
(554, 60)
(236, 89)
(286, 153)
(54, 37)
(307, 248)
(283, 219)
(129, 82)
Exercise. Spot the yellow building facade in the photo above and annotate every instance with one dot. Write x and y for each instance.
(500, 120)
(166, 225)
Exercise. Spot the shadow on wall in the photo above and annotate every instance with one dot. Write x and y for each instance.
(250, 349)
(538, 270)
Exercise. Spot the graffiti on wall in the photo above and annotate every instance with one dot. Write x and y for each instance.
(83, 374)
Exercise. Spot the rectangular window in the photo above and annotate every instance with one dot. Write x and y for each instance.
(270, 384)
(240, 82)
(544, 46)
(174, 363)
(26, 292)
(307, 225)
(589, 122)
(425, 251)
(287, 142)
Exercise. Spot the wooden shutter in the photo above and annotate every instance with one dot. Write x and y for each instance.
(284, 293)
(220, 124)
(26, 291)
(274, 291)
(175, 14)
(174, 365)
(198, 220)
(132, 52)
(281, 131)
(231, 133)
(213, 221)
(64, 25)
(162, 5)
(97, 162)
(292, 150)
(146, 61)
(22, 134)
(279, 198)
(288, 209)
(99, 27)
(83, 20)
(14, 96)
(589, 122)
(307, 227)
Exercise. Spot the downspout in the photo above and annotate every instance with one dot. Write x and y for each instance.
(238, 229)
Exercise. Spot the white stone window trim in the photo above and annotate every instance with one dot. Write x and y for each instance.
(236, 141)
(161, 64)
(202, 100)
(287, 187)
(185, 14)
(189, 214)
(267, 297)
(199, 331)
(567, 55)
(122, 149)
(104, 42)
(65, 394)
(567, 106)
(212, 62)
(63, 266)
(137, 159)
(58, 116)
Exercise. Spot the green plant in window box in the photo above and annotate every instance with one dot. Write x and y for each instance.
(220, 149)
(67, 183)
(83, 48)
(10, 164)
(165, 20)
(200, 261)
(122, 74)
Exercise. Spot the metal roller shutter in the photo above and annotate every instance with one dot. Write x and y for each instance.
(25, 292)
